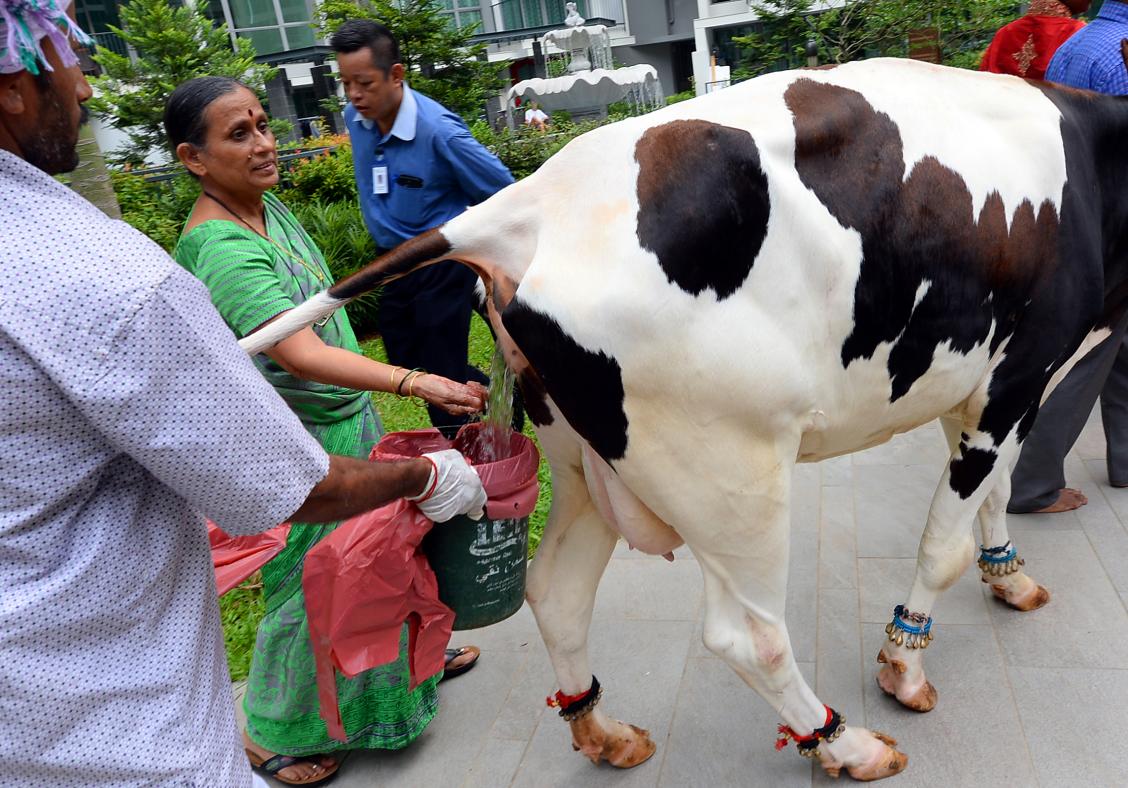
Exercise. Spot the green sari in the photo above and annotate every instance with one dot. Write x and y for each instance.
(252, 279)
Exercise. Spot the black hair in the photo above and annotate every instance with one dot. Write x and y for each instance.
(357, 34)
(185, 108)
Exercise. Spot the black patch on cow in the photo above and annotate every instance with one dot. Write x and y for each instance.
(703, 203)
(969, 470)
(920, 237)
(587, 387)
(535, 398)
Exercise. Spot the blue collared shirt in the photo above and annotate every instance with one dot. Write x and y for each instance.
(436, 169)
(1091, 58)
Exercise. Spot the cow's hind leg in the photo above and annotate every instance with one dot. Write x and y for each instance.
(563, 579)
(744, 565)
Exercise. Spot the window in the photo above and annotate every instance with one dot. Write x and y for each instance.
(518, 14)
(272, 25)
(463, 13)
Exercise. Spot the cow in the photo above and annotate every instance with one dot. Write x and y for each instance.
(796, 267)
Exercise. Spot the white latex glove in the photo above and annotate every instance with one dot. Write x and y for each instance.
(453, 488)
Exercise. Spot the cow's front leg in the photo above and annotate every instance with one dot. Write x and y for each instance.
(563, 578)
(946, 549)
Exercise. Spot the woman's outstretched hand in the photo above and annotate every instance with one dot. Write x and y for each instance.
(455, 398)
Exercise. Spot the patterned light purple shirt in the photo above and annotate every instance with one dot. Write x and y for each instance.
(127, 412)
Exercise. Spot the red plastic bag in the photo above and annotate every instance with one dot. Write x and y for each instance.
(236, 558)
(511, 482)
(361, 583)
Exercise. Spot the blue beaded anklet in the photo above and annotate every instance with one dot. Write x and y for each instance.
(999, 561)
(905, 634)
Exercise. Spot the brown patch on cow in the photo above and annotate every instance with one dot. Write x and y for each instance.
(620, 744)
(702, 203)
(919, 234)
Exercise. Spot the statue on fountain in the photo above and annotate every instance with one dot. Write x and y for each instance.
(572, 17)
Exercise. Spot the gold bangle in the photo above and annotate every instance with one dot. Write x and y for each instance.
(411, 385)
(392, 378)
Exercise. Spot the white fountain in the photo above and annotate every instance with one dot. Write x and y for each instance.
(591, 83)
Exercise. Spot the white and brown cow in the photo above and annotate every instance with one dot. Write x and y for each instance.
(797, 267)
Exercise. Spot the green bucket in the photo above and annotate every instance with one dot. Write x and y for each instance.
(480, 565)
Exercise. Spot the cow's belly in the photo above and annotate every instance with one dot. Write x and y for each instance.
(858, 413)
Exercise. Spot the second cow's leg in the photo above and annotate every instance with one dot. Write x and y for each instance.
(563, 579)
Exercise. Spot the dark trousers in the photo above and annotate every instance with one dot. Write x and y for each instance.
(425, 322)
(1040, 471)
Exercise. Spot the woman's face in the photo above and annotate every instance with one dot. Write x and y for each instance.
(239, 153)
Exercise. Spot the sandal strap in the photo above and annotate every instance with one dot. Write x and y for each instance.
(279, 762)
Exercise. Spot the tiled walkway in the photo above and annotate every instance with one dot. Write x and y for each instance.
(1025, 699)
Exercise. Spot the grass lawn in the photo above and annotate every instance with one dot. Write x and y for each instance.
(242, 608)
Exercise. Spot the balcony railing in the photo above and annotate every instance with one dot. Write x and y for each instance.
(112, 42)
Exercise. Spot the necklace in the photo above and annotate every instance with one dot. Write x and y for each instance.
(317, 274)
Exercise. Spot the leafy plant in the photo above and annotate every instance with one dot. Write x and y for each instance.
(339, 231)
(866, 28)
(440, 60)
(526, 149)
(159, 210)
(173, 43)
(325, 178)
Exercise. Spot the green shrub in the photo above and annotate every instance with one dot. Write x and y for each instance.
(685, 95)
(326, 178)
(338, 230)
(526, 149)
(158, 209)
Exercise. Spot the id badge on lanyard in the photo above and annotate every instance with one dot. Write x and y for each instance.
(380, 174)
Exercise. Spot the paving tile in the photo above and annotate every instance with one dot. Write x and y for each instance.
(973, 737)
(891, 507)
(651, 588)
(839, 656)
(723, 734)
(496, 765)
(523, 707)
(518, 633)
(838, 557)
(885, 583)
(1072, 718)
(1084, 610)
(838, 471)
(641, 664)
(925, 445)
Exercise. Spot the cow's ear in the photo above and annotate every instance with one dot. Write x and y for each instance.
(1124, 51)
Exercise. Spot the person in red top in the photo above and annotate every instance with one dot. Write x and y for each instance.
(1024, 47)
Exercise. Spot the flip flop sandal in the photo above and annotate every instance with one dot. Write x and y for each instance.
(454, 653)
(271, 766)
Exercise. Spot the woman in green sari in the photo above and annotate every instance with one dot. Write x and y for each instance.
(258, 262)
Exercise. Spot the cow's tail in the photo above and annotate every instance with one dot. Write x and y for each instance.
(429, 247)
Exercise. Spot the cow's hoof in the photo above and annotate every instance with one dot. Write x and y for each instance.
(885, 761)
(1032, 597)
(890, 678)
(620, 744)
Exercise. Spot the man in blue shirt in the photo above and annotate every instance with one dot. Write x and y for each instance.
(1090, 59)
(417, 166)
